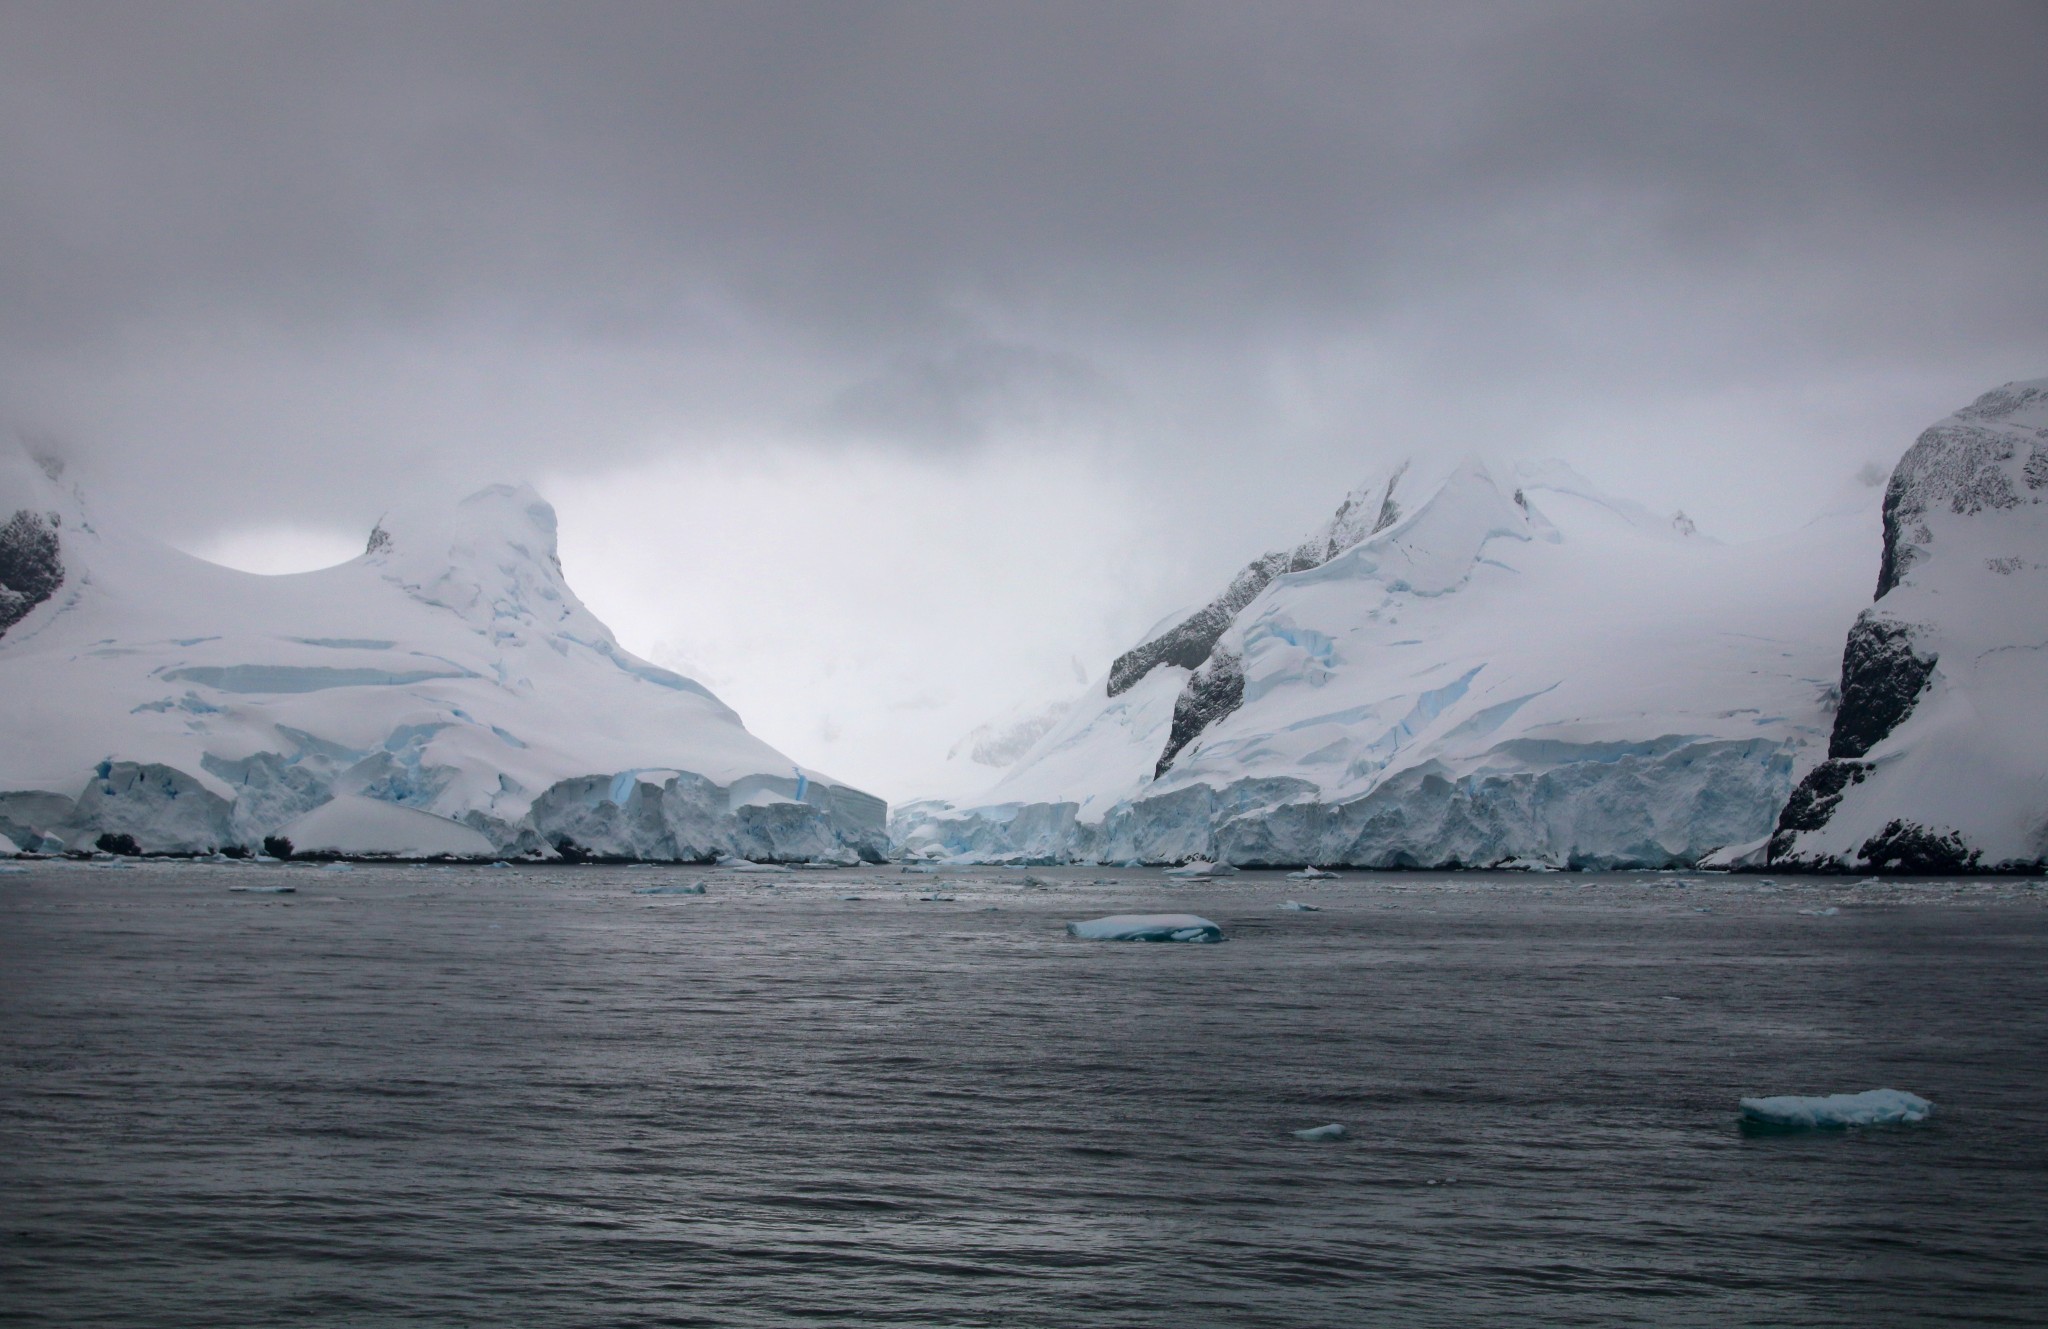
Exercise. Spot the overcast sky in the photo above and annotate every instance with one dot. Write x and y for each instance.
(891, 364)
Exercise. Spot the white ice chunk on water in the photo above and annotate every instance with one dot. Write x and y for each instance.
(1333, 1131)
(1300, 908)
(1828, 912)
(1872, 1107)
(336, 867)
(1311, 874)
(692, 888)
(1200, 868)
(748, 865)
(925, 869)
(1147, 927)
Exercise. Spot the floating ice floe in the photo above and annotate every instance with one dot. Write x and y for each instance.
(1147, 927)
(337, 867)
(1300, 908)
(1828, 912)
(1200, 868)
(1333, 1131)
(1872, 1107)
(748, 865)
(923, 869)
(264, 890)
(1311, 874)
(692, 888)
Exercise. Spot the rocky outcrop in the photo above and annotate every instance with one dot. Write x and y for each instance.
(1189, 642)
(31, 563)
(1936, 760)
(1211, 692)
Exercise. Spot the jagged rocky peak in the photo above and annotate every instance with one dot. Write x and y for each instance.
(1935, 762)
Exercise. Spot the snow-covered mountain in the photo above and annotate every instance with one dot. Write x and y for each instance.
(1939, 755)
(446, 692)
(1460, 667)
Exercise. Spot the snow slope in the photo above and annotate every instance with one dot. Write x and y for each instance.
(1939, 757)
(1461, 667)
(449, 671)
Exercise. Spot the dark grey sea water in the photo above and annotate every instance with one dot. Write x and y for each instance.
(533, 1097)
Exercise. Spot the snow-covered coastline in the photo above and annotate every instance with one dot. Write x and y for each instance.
(1464, 668)
(445, 693)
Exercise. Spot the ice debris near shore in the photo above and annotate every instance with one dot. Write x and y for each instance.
(1147, 927)
(443, 693)
(1334, 1131)
(1297, 907)
(1872, 1107)
(1467, 666)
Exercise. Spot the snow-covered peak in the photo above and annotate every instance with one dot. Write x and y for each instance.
(490, 558)
(1990, 457)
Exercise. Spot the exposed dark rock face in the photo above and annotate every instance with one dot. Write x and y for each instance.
(31, 564)
(1814, 801)
(1211, 692)
(379, 539)
(1188, 643)
(1904, 847)
(1818, 793)
(1882, 678)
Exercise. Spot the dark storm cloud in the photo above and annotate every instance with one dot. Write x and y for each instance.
(256, 244)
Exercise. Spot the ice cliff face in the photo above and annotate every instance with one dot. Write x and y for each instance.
(445, 691)
(1936, 761)
(1460, 668)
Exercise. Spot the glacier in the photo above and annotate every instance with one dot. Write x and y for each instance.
(1466, 666)
(1938, 757)
(444, 693)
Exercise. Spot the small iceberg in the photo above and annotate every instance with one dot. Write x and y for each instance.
(1311, 874)
(264, 890)
(1872, 1107)
(748, 865)
(337, 867)
(1828, 912)
(693, 888)
(922, 869)
(1300, 908)
(1334, 1131)
(1200, 868)
(1147, 927)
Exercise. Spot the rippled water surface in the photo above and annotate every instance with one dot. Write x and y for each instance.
(534, 1097)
